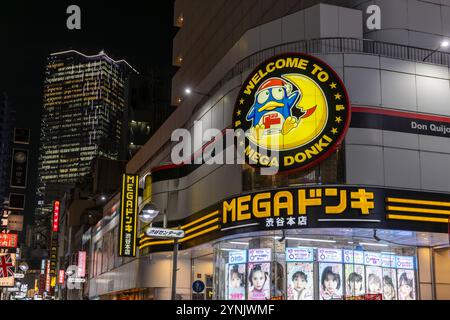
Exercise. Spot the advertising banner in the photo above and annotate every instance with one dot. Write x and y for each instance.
(389, 284)
(329, 255)
(372, 258)
(287, 105)
(128, 215)
(56, 209)
(7, 268)
(406, 284)
(259, 255)
(373, 279)
(15, 222)
(404, 262)
(236, 281)
(388, 260)
(353, 256)
(8, 240)
(299, 254)
(238, 256)
(19, 168)
(81, 270)
(331, 284)
(300, 281)
(354, 280)
(258, 281)
(315, 207)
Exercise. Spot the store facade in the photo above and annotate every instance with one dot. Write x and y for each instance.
(360, 207)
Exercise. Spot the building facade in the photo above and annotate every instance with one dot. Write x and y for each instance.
(84, 116)
(7, 115)
(371, 220)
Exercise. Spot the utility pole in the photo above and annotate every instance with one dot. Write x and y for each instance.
(174, 269)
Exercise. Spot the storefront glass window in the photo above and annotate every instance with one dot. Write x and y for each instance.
(293, 267)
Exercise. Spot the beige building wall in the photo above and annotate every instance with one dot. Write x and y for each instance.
(442, 273)
(434, 273)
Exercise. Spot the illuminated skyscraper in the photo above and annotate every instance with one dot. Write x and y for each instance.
(84, 116)
(7, 114)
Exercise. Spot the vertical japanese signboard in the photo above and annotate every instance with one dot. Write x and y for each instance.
(47, 276)
(56, 207)
(19, 168)
(81, 272)
(61, 275)
(53, 254)
(128, 216)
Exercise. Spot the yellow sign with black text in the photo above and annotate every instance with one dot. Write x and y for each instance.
(128, 215)
(294, 110)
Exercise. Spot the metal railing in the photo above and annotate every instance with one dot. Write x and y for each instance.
(330, 46)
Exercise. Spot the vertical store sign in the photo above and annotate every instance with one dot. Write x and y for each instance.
(19, 168)
(47, 276)
(61, 275)
(81, 272)
(56, 207)
(128, 216)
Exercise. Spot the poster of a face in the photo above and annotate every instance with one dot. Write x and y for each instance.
(354, 280)
(236, 282)
(389, 284)
(373, 279)
(330, 286)
(258, 281)
(300, 281)
(406, 284)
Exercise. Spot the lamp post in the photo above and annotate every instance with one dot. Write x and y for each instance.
(188, 91)
(443, 44)
(147, 214)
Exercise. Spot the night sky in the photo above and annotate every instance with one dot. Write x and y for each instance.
(137, 31)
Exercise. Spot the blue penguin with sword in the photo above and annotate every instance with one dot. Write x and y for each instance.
(272, 111)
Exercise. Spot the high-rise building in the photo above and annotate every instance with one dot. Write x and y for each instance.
(84, 116)
(7, 115)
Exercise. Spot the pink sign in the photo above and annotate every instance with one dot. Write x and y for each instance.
(81, 264)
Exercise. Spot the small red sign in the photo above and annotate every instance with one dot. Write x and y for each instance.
(56, 205)
(8, 240)
(377, 296)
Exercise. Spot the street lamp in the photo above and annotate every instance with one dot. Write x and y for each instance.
(443, 44)
(188, 91)
(148, 213)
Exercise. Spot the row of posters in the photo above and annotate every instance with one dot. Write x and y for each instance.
(349, 273)
(258, 271)
(339, 275)
(337, 280)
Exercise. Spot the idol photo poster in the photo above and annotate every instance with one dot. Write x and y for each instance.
(389, 284)
(406, 284)
(258, 281)
(373, 279)
(300, 281)
(330, 286)
(236, 282)
(354, 280)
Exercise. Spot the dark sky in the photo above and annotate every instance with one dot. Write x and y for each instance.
(137, 31)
